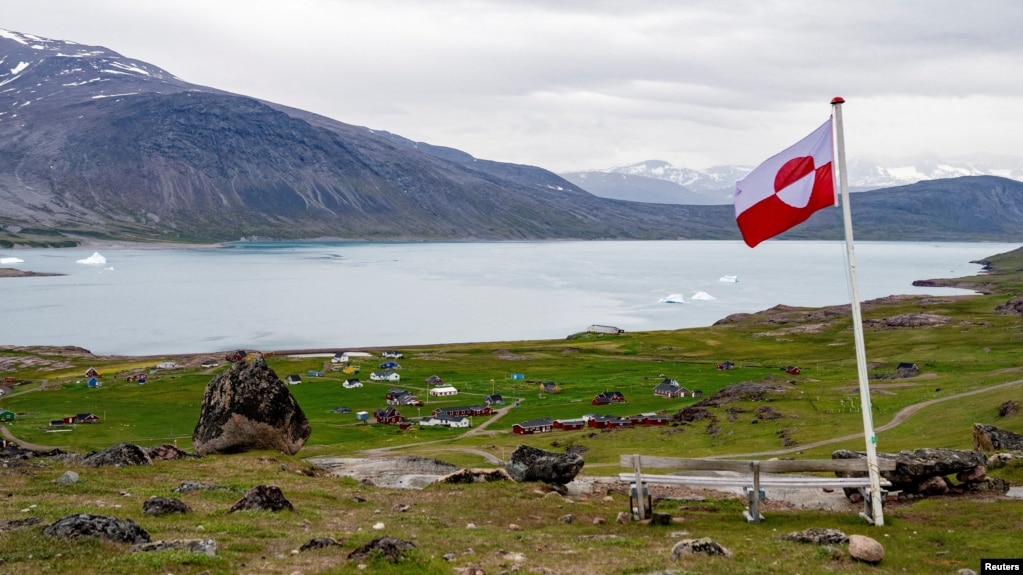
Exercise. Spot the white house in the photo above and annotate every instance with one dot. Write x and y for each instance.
(442, 391)
(293, 379)
(340, 357)
(442, 421)
(386, 375)
(166, 365)
(351, 384)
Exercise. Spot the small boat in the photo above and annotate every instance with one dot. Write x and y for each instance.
(729, 279)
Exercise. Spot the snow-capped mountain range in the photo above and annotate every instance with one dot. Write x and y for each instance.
(657, 181)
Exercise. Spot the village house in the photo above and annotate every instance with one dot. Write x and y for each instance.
(445, 421)
(435, 381)
(389, 365)
(293, 379)
(550, 387)
(494, 399)
(167, 365)
(236, 355)
(385, 375)
(351, 384)
(463, 411)
(534, 426)
(138, 377)
(608, 397)
(340, 357)
(393, 354)
(6, 415)
(388, 415)
(91, 372)
(608, 422)
(443, 391)
(605, 329)
(670, 389)
(569, 424)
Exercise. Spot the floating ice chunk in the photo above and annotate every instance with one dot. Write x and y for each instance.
(673, 298)
(729, 279)
(95, 258)
(11, 260)
(702, 295)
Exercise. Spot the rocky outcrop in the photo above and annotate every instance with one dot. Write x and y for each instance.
(926, 471)
(263, 498)
(207, 547)
(746, 390)
(99, 526)
(531, 464)
(157, 505)
(389, 548)
(817, 535)
(703, 546)
(990, 438)
(120, 455)
(246, 408)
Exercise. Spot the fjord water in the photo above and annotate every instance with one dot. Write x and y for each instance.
(349, 295)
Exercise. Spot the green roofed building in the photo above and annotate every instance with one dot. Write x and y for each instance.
(6, 416)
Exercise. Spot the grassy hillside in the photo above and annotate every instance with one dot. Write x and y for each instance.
(966, 350)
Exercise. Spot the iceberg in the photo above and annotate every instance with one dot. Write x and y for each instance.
(729, 279)
(11, 260)
(94, 259)
(673, 298)
(702, 295)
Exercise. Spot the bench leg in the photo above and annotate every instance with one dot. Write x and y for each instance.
(752, 511)
(868, 508)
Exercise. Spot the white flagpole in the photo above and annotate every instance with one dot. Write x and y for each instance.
(877, 515)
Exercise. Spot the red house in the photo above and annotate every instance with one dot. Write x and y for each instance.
(569, 424)
(463, 411)
(535, 426)
(388, 415)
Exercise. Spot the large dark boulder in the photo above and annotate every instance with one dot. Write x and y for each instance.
(913, 468)
(263, 498)
(246, 408)
(99, 526)
(531, 464)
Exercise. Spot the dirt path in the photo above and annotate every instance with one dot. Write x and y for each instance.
(899, 418)
(26, 445)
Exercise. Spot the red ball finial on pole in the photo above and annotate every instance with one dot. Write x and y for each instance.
(837, 100)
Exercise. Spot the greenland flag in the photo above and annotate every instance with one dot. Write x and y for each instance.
(787, 189)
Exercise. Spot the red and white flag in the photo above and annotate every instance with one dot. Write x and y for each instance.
(788, 188)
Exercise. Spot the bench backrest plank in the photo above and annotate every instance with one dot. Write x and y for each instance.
(766, 466)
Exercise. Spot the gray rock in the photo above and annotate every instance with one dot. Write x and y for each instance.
(531, 464)
(206, 547)
(704, 546)
(120, 455)
(913, 467)
(863, 548)
(263, 498)
(68, 478)
(388, 548)
(319, 543)
(818, 535)
(249, 408)
(156, 505)
(990, 438)
(99, 526)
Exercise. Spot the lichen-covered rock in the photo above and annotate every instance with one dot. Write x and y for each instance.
(157, 505)
(531, 464)
(120, 455)
(703, 546)
(247, 408)
(991, 438)
(389, 548)
(207, 547)
(818, 535)
(99, 526)
(263, 498)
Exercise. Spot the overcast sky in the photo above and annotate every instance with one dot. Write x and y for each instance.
(581, 84)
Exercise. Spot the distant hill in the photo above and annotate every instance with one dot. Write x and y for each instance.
(97, 145)
(660, 182)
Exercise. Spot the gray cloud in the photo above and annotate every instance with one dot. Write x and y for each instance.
(589, 84)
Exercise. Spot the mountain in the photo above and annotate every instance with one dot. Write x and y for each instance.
(95, 144)
(657, 181)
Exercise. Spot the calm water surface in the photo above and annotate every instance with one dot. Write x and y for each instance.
(350, 295)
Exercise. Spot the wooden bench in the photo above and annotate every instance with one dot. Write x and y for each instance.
(746, 474)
